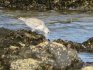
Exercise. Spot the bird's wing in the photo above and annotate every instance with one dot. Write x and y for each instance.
(34, 22)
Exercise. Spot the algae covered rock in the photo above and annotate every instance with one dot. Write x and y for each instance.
(87, 68)
(88, 45)
(26, 50)
(1, 67)
(51, 55)
(11, 37)
(11, 42)
(43, 5)
(70, 44)
(25, 64)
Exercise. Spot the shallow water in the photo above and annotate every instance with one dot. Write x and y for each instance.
(76, 27)
(86, 57)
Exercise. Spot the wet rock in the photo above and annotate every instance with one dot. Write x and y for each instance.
(26, 50)
(86, 46)
(25, 64)
(89, 45)
(1, 67)
(69, 44)
(47, 4)
(12, 41)
(19, 38)
(3, 33)
(87, 68)
(49, 56)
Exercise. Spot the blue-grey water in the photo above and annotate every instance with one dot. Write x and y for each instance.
(86, 57)
(76, 27)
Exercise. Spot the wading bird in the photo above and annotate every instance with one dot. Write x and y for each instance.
(36, 25)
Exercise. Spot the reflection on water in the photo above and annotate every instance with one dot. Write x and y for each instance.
(86, 57)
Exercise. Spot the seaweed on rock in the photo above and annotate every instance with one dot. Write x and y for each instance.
(26, 50)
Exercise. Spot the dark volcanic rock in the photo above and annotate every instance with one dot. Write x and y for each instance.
(26, 50)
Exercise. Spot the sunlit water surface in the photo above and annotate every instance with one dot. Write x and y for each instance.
(74, 26)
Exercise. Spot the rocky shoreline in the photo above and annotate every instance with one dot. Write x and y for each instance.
(26, 50)
(44, 5)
